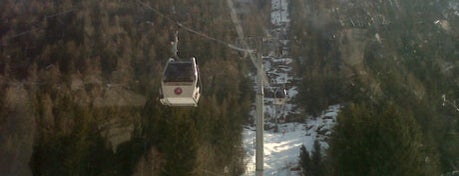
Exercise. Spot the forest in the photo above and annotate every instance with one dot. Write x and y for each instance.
(393, 65)
(80, 89)
(80, 79)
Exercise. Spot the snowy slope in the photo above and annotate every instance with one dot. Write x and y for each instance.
(277, 64)
(279, 13)
(454, 7)
(281, 150)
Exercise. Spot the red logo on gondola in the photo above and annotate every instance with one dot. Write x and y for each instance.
(178, 91)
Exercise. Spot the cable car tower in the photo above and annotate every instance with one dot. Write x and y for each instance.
(259, 102)
(181, 83)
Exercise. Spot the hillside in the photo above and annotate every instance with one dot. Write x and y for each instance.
(79, 83)
(282, 147)
(393, 65)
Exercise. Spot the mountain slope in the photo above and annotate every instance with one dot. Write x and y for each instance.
(381, 53)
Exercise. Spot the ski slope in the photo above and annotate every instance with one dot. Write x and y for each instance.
(279, 12)
(281, 149)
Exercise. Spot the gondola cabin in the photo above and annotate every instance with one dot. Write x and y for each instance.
(280, 96)
(180, 85)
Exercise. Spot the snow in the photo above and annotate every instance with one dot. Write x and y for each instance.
(277, 64)
(292, 92)
(279, 13)
(454, 6)
(281, 149)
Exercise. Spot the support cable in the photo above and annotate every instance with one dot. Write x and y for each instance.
(35, 28)
(181, 25)
(261, 79)
(240, 33)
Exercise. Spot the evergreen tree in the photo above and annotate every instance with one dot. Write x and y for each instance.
(305, 161)
(316, 160)
(388, 141)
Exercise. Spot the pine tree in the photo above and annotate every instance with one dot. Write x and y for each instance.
(316, 160)
(378, 141)
(305, 161)
(124, 43)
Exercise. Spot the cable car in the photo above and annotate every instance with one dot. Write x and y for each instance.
(280, 96)
(180, 84)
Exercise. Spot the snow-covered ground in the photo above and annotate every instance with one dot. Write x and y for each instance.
(279, 13)
(454, 6)
(281, 149)
(278, 64)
